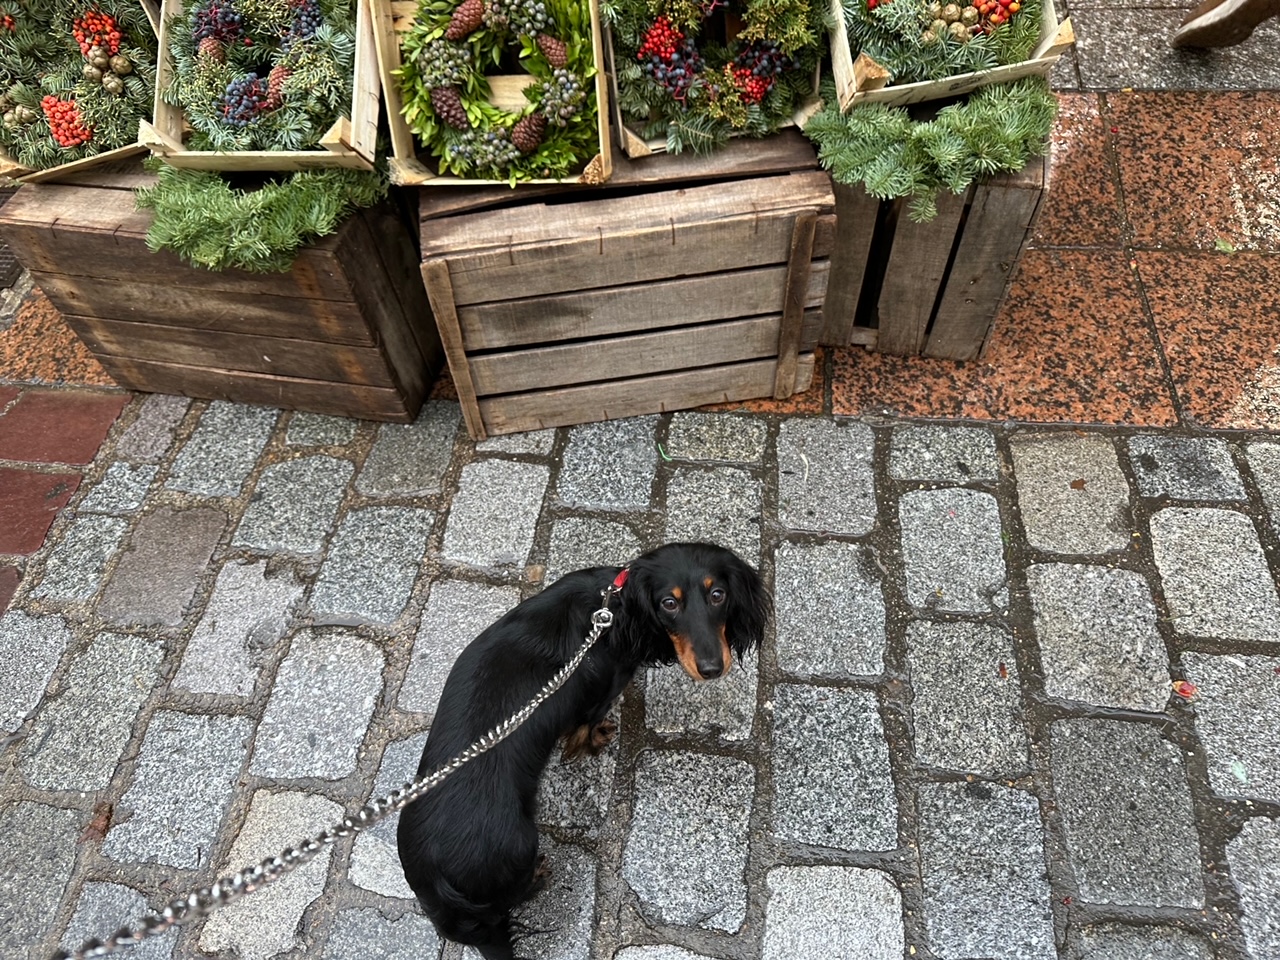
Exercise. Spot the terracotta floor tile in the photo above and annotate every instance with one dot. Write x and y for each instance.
(1198, 168)
(1082, 207)
(1219, 319)
(40, 348)
(1070, 344)
(28, 503)
(10, 577)
(7, 395)
(58, 426)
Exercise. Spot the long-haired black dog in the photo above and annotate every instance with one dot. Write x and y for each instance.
(469, 848)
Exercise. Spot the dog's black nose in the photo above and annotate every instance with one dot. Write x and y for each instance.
(710, 669)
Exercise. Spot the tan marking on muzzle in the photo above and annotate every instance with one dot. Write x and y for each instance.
(725, 653)
(686, 656)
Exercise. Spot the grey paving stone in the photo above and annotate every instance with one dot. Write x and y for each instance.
(824, 476)
(494, 513)
(825, 913)
(1127, 814)
(1185, 468)
(1071, 492)
(371, 566)
(1238, 719)
(1098, 638)
(952, 550)
(1215, 577)
(659, 952)
(689, 869)
(955, 454)
(267, 923)
(536, 443)
(148, 438)
(293, 507)
(35, 865)
(716, 436)
(575, 795)
(121, 490)
(105, 907)
(1254, 858)
(609, 465)
(721, 506)
(74, 568)
(217, 459)
(1114, 941)
(1264, 463)
(323, 697)
(986, 893)
(410, 459)
(676, 704)
(161, 567)
(375, 863)
(244, 621)
(581, 542)
(829, 612)
(318, 430)
(968, 717)
(186, 774)
(456, 613)
(30, 648)
(832, 791)
(563, 912)
(77, 736)
(366, 934)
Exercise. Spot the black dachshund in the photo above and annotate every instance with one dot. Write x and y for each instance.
(469, 848)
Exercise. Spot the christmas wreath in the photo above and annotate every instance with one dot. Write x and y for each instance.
(262, 74)
(75, 78)
(447, 93)
(685, 75)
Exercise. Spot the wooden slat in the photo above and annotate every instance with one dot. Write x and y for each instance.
(627, 398)
(63, 171)
(640, 354)
(435, 275)
(915, 272)
(598, 313)
(316, 396)
(276, 356)
(367, 87)
(856, 223)
(993, 236)
(788, 344)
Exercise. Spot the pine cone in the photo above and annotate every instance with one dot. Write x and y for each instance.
(554, 50)
(212, 48)
(466, 20)
(275, 86)
(447, 102)
(527, 134)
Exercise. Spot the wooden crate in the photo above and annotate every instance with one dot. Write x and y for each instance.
(631, 301)
(929, 288)
(346, 331)
(394, 17)
(863, 80)
(351, 142)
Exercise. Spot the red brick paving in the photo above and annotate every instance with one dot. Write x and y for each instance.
(8, 394)
(28, 503)
(9, 577)
(58, 426)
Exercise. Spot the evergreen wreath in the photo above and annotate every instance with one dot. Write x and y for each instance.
(995, 130)
(446, 92)
(678, 80)
(257, 225)
(262, 74)
(76, 76)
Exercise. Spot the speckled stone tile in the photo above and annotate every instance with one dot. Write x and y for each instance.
(40, 348)
(1071, 343)
(1200, 168)
(1081, 208)
(1218, 316)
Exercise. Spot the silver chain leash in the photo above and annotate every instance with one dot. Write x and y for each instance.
(202, 902)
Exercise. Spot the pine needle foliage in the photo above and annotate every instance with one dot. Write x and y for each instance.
(214, 223)
(996, 130)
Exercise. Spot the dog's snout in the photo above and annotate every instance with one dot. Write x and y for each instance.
(710, 669)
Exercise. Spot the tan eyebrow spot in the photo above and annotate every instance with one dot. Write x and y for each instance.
(677, 593)
(708, 582)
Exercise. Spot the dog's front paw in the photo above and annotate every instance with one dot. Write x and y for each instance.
(541, 873)
(589, 740)
(602, 734)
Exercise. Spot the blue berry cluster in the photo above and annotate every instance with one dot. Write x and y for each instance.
(562, 97)
(490, 150)
(243, 100)
(217, 19)
(306, 21)
(764, 58)
(678, 72)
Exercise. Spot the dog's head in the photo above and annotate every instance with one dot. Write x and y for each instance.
(695, 603)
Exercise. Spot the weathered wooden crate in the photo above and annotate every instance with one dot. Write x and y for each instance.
(346, 331)
(929, 288)
(631, 301)
(351, 142)
(863, 80)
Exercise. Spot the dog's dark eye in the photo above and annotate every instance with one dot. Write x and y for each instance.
(716, 596)
(670, 604)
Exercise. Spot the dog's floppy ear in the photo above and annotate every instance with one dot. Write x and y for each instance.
(637, 628)
(750, 607)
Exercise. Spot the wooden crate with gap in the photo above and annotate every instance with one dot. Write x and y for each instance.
(930, 289)
(649, 296)
(346, 331)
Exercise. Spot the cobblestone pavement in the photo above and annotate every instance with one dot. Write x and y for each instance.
(962, 738)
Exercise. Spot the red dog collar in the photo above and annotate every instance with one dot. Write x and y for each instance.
(620, 579)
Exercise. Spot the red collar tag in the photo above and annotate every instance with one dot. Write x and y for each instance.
(620, 579)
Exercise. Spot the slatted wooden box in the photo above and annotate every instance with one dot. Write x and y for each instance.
(930, 289)
(629, 301)
(346, 331)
